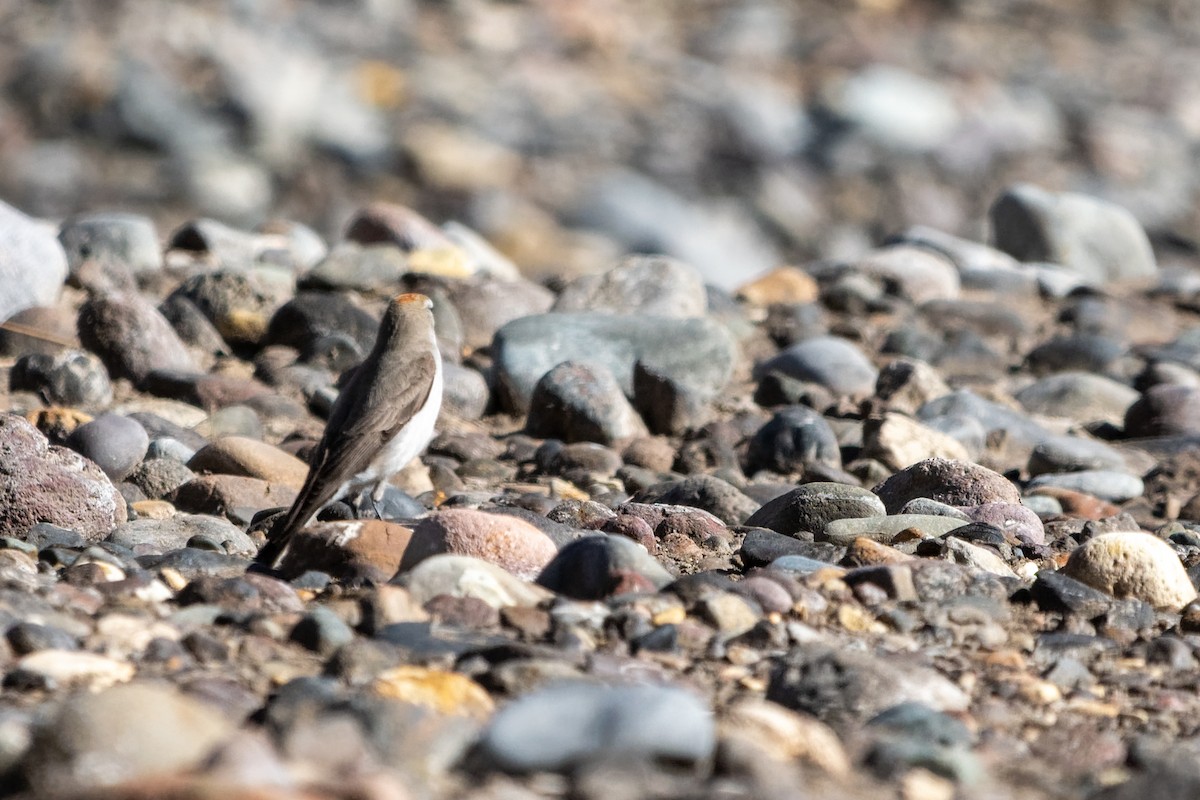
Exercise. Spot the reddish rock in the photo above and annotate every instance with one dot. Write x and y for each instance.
(131, 337)
(44, 483)
(505, 541)
(956, 483)
(223, 495)
(370, 549)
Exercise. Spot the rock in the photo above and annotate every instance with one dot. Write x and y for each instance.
(814, 505)
(783, 735)
(1055, 591)
(240, 455)
(321, 631)
(917, 273)
(1105, 484)
(465, 391)
(508, 542)
(310, 316)
(781, 286)
(564, 727)
(33, 265)
(234, 496)
(62, 669)
(348, 549)
(161, 732)
(884, 529)
(898, 441)
(977, 557)
(41, 483)
(581, 402)
(1099, 240)
(130, 240)
(1132, 564)
(486, 306)
(443, 692)
(616, 342)
(1017, 428)
(1078, 396)
(707, 492)
(668, 406)
(364, 268)
(150, 536)
(1083, 352)
(1015, 520)
(832, 362)
(794, 438)
(68, 378)
(844, 688)
(656, 286)
(115, 443)
(46, 331)
(906, 384)
(131, 337)
(239, 304)
(1164, 410)
(597, 567)
(897, 109)
(1073, 454)
(396, 225)
(956, 483)
(464, 576)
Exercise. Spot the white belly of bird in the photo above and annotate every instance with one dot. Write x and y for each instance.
(407, 444)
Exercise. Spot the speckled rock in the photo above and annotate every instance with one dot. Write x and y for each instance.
(1132, 564)
(69, 378)
(812, 506)
(957, 483)
(581, 402)
(506, 541)
(348, 549)
(41, 483)
(33, 265)
(131, 337)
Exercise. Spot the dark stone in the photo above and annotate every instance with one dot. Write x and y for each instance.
(795, 437)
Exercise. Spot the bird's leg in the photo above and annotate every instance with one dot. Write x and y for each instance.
(377, 498)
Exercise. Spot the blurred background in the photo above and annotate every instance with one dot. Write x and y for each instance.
(734, 134)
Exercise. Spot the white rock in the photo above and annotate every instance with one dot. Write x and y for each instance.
(1133, 564)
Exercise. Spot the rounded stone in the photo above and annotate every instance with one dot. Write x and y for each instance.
(1012, 518)
(115, 443)
(814, 505)
(1079, 396)
(33, 265)
(830, 361)
(581, 402)
(132, 337)
(569, 725)
(956, 483)
(507, 541)
(918, 273)
(310, 316)
(122, 734)
(1164, 410)
(596, 567)
(241, 455)
(640, 284)
(158, 477)
(69, 378)
(464, 576)
(40, 483)
(1133, 564)
(130, 240)
(794, 438)
(1073, 454)
(1116, 487)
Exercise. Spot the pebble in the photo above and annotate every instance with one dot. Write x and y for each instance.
(33, 267)
(464, 576)
(830, 361)
(655, 286)
(581, 402)
(796, 437)
(252, 458)
(957, 483)
(616, 342)
(309, 317)
(161, 731)
(130, 240)
(115, 443)
(707, 492)
(906, 384)
(1109, 485)
(568, 726)
(813, 506)
(348, 549)
(1018, 520)
(1096, 239)
(508, 542)
(150, 536)
(69, 378)
(40, 483)
(881, 528)
(898, 441)
(158, 477)
(1132, 564)
(918, 274)
(1164, 410)
(597, 567)
(132, 337)
(1073, 454)
(1078, 396)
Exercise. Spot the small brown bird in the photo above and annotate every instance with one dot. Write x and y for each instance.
(382, 419)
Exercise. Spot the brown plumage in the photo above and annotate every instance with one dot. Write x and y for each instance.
(381, 420)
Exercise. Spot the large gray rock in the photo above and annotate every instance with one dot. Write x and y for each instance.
(956, 483)
(1078, 396)
(132, 337)
(153, 536)
(527, 348)
(570, 725)
(129, 240)
(33, 265)
(814, 505)
(833, 362)
(581, 402)
(645, 285)
(41, 483)
(1099, 240)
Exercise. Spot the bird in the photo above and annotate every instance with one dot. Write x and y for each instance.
(382, 419)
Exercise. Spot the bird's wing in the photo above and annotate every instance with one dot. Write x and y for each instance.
(353, 438)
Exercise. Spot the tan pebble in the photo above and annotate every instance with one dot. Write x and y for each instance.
(445, 692)
(787, 284)
(786, 735)
(1133, 564)
(670, 616)
(921, 784)
(1039, 692)
(154, 509)
(77, 668)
